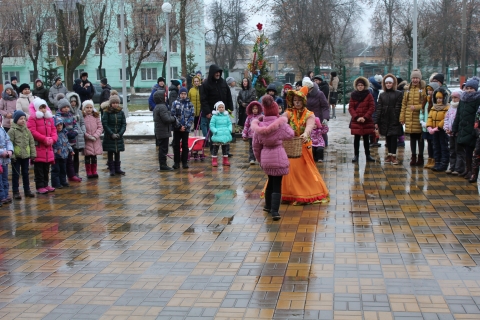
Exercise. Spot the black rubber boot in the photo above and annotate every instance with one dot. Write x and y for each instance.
(164, 167)
(474, 176)
(276, 199)
(117, 168)
(268, 201)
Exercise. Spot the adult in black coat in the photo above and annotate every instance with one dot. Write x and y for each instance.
(83, 87)
(106, 88)
(40, 91)
(322, 85)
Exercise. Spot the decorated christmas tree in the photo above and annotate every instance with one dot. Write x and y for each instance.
(258, 66)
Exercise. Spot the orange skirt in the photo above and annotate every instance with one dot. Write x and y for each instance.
(304, 184)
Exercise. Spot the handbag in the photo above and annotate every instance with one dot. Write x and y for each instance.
(333, 97)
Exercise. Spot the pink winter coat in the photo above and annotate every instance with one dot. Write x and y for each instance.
(267, 144)
(247, 132)
(42, 127)
(93, 128)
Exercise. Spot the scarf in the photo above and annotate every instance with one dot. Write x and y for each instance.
(454, 104)
(439, 107)
(359, 95)
(5, 96)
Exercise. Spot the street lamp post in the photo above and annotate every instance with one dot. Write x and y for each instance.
(167, 8)
(124, 68)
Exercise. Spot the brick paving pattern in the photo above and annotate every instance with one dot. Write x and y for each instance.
(393, 243)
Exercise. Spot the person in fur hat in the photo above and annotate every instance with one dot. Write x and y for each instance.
(463, 126)
(455, 163)
(44, 132)
(254, 111)
(361, 108)
(114, 125)
(268, 136)
(221, 128)
(387, 121)
(92, 133)
(412, 105)
(435, 123)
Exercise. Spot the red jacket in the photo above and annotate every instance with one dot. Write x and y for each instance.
(363, 109)
(42, 126)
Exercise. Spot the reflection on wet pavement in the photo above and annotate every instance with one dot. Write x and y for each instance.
(393, 243)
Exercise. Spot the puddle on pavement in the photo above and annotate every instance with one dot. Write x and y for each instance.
(214, 228)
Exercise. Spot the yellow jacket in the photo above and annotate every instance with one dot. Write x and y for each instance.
(413, 96)
(194, 96)
(436, 118)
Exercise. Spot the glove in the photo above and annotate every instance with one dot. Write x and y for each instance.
(430, 130)
(424, 125)
(435, 129)
(115, 136)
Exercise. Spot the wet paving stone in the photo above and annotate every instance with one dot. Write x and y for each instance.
(394, 242)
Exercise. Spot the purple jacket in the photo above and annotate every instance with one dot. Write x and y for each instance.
(318, 104)
(247, 131)
(267, 144)
(316, 136)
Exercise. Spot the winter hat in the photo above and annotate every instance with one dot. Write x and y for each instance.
(104, 81)
(7, 82)
(293, 93)
(298, 84)
(230, 80)
(37, 80)
(84, 74)
(114, 98)
(306, 82)
(378, 78)
(361, 80)
(317, 122)
(439, 77)
(17, 115)
(399, 80)
(219, 103)
(287, 86)
(8, 86)
(389, 79)
(88, 102)
(456, 93)
(254, 104)
(23, 86)
(58, 120)
(13, 78)
(62, 101)
(270, 107)
(182, 89)
(198, 72)
(416, 73)
(318, 77)
(160, 79)
(432, 86)
(472, 83)
(159, 96)
(176, 83)
(56, 79)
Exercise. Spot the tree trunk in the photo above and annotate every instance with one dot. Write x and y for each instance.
(68, 80)
(183, 37)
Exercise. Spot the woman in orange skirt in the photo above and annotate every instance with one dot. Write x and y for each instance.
(304, 184)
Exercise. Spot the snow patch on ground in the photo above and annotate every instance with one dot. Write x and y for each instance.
(140, 125)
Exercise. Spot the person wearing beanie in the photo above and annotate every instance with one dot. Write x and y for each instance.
(318, 143)
(435, 123)
(303, 184)
(25, 98)
(388, 112)
(114, 125)
(79, 145)
(24, 151)
(194, 96)
(317, 103)
(39, 90)
(184, 112)
(6, 152)
(106, 88)
(412, 105)
(8, 105)
(221, 128)
(322, 85)
(430, 88)
(164, 120)
(455, 163)
(245, 96)
(173, 91)
(83, 87)
(44, 132)
(463, 127)
(361, 108)
(268, 136)
(254, 111)
(55, 89)
(374, 88)
(62, 150)
(160, 85)
(92, 133)
(13, 82)
(24, 86)
(298, 85)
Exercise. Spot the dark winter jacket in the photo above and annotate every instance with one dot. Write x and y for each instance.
(113, 121)
(172, 94)
(85, 92)
(105, 94)
(151, 101)
(246, 95)
(389, 107)
(162, 116)
(213, 90)
(464, 122)
(362, 107)
(318, 104)
(324, 88)
(52, 94)
(40, 92)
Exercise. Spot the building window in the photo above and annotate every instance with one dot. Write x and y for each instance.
(173, 48)
(9, 74)
(97, 50)
(119, 20)
(50, 23)
(174, 73)
(128, 74)
(101, 74)
(52, 49)
(76, 74)
(120, 48)
(149, 73)
(32, 78)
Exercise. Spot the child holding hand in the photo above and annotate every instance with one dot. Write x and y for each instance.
(254, 110)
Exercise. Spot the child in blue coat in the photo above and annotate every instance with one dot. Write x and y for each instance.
(221, 128)
(184, 112)
(6, 151)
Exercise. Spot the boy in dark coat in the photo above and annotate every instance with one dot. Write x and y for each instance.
(163, 120)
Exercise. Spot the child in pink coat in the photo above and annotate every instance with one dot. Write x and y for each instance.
(318, 143)
(93, 144)
(268, 137)
(44, 132)
(254, 110)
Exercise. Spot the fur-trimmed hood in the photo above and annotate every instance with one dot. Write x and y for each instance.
(272, 127)
(74, 94)
(384, 88)
(367, 83)
(443, 92)
(254, 104)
